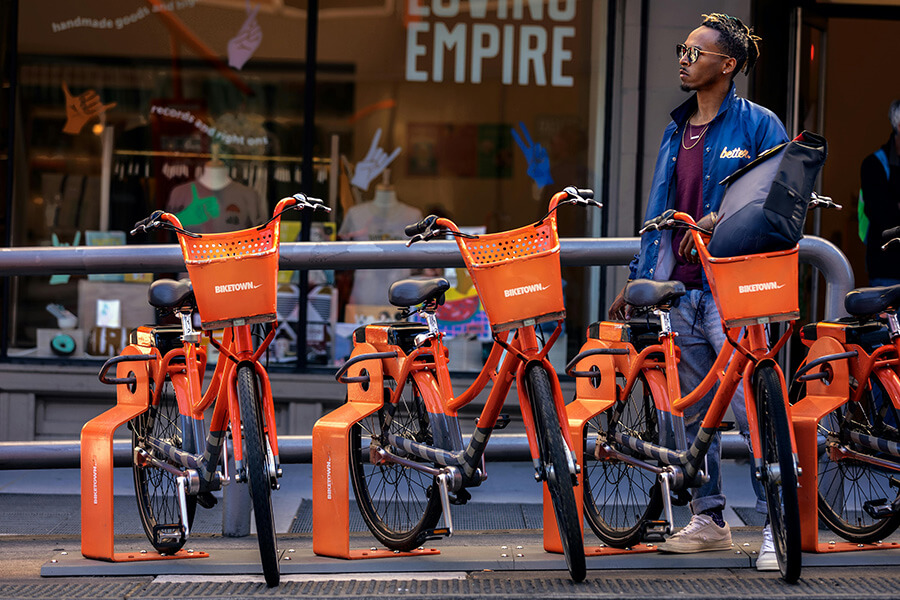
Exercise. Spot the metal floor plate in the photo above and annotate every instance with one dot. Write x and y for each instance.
(60, 514)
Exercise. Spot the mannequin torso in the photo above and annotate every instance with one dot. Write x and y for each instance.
(215, 176)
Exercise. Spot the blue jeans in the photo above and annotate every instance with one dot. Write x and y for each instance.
(700, 337)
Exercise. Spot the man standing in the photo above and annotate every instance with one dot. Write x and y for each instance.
(880, 193)
(711, 135)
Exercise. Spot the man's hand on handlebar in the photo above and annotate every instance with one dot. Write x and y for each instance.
(687, 249)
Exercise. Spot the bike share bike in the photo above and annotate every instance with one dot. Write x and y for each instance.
(178, 461)
(845, 406)
(636, 452)
(408, 460)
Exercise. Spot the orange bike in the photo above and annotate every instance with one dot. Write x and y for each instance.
(176, 458)
(408, 460)
(635, 451)
(846, 403)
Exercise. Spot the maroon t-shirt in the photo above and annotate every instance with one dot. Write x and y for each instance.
(688, 199)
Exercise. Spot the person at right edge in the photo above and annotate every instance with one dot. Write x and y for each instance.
(711, 135)
(880, 193)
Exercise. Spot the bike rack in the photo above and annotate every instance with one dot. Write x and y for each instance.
(592, 397)
(97, 500)
(822, 397)
(331, 460)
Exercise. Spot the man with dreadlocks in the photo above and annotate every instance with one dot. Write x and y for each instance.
(711, 135)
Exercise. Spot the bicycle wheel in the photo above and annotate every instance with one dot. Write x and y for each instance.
(778, 456)
(847, 485)
(400, 505)
(555, 461)
(618, 497)
(257, 471)
(156, 489)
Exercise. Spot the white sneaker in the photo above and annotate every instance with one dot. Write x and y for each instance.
(767, 560)
(701, 535)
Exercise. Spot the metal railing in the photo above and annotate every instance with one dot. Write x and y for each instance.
(826, 257)
(162, 258)
(823, 255)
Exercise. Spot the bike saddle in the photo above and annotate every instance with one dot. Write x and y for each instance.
(863, 302)
(410, 292)
(169, 293)
(646, 292)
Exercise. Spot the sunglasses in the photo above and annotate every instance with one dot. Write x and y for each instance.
(693, 53)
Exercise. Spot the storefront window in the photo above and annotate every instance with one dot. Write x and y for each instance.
(486, 105)
(476, 110)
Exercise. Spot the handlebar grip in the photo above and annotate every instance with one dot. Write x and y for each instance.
(586, 193)
(420, 227)
(890, 234)
(144, 224)
(660, 219)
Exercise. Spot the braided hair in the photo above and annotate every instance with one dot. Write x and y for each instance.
(735, 39)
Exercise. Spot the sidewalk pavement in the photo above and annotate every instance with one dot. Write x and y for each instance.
(496, 552)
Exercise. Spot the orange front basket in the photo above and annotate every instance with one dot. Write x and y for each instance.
(517, 274)
(757, 288)
(234, 274)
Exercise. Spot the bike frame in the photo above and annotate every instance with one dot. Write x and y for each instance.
(433, 381)
(737, 361)
(186, 367)
(883, 363)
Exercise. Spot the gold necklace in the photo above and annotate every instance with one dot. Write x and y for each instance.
(699, 137)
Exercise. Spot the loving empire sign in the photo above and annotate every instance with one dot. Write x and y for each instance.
(530, 41)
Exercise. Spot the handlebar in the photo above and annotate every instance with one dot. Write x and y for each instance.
(663, 221)
(818, 201)
(420, 227)
(162, 219)
(669, 220)
(432, 226)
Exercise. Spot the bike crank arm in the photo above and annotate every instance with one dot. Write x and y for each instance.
(187, 480)
(665, 480)
(607, 452)
(838, 453)
(448, 479)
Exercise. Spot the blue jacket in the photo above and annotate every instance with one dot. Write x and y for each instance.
(737, 135)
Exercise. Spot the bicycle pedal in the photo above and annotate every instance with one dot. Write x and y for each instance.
(460, 497)
(206, 499)
(168, 536)
(878, 509)
(725, 426)
(436, 534)
(655, 531)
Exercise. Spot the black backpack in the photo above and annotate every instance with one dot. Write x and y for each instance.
(765, 203)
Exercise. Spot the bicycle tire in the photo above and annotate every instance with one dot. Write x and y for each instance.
(781, 492)
(156, 489)
(555, 461)
(400, 505)
(257, 472)
(619, 497)
(846, 485)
